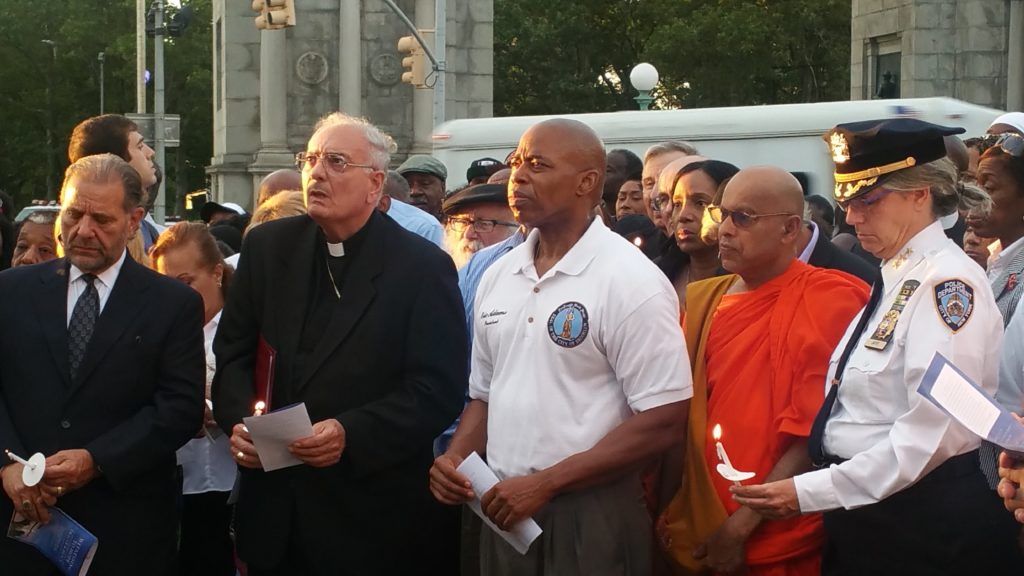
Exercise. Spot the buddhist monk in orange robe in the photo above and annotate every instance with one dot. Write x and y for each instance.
(760, 340)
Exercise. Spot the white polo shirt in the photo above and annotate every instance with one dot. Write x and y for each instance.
(564, 359)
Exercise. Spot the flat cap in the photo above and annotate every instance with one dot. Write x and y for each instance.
(424, 164)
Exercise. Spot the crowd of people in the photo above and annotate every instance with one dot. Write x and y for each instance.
(674, 365)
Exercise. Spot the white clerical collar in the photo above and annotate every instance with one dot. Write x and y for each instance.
(336, 249)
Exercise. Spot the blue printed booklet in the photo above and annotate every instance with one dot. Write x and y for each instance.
(957, 395)
(63, 541)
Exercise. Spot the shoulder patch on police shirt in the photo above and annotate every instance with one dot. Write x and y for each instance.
(954, 300)
(568, 325)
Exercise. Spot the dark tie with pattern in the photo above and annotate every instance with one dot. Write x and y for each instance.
(83, 321)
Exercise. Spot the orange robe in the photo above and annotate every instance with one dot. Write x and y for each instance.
(761, 361)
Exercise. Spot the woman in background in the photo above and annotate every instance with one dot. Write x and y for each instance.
(187, 251)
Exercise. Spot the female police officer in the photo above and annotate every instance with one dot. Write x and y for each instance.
(898, 480)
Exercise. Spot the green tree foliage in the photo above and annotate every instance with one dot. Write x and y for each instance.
(560, 57)
(29, 69)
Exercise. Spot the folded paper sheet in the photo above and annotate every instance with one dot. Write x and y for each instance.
(483, 479)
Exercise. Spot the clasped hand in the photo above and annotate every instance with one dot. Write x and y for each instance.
(66, 471)
(324, 448)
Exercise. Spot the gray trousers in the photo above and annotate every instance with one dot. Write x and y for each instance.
(603, 531)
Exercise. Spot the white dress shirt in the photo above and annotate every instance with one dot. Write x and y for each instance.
(565, 358)
(206, 462)
(1011, 365)
(890, 436)
(805, 256)
(104, 284)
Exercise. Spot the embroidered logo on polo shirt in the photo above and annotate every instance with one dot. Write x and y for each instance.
(954, 300)
(568, 325)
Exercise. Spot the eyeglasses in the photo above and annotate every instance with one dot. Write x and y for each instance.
(335, 162)
(865, 201)
(661, 202)
(740, 218)
(461, 223)
(1012, 144)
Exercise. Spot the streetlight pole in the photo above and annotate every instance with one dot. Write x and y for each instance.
(159, 208)
(100, 58)
(51, 162)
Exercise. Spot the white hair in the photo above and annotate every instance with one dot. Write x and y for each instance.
(381, 145)
(669, 146)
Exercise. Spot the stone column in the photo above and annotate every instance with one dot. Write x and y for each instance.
(1015, 58)
(350, 58)
(273, 153)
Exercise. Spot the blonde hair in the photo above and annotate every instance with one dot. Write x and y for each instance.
(198, 233)
(281, 205)
(942, 180)
(137, 250)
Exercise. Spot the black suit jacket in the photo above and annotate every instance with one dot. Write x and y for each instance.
(138, 397)
(827, 255)
(391, 367)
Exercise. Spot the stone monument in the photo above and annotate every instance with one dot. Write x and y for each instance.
(271, 86)
(972, 50)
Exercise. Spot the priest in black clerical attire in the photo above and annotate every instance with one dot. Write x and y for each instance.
(347, 312)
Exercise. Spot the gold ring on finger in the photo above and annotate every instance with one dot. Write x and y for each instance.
(26, 505)
(240, 455)
(60, 491)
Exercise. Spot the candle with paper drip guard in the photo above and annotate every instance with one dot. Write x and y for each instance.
(33, 469)
(725, 468)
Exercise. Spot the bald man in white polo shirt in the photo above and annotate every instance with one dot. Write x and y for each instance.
(579, 374)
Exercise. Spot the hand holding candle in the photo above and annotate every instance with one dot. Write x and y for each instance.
(33, 469)
(725, 467)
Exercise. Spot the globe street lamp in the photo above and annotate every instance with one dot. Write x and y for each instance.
(644, 78)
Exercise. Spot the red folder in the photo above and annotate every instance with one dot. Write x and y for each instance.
(263, 374)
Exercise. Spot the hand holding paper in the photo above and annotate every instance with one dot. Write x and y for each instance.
(324, 447)
(483, 479)
(273, 433)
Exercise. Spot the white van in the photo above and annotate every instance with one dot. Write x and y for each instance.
(785, 135)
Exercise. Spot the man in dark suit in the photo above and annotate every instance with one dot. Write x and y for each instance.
(825, 254)
(363, 322)
(101, 370)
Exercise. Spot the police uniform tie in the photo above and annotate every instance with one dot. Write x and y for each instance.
(83, 322)
(815, 443)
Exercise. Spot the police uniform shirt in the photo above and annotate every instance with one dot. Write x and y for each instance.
(563, 359)
(890, 435)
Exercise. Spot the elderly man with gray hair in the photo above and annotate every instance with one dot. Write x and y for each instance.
(101, 370)
(345, 311)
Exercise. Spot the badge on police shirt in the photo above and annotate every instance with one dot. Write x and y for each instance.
(954, 301)
(884, 331)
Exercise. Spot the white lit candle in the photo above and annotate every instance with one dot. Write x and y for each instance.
(725, 468)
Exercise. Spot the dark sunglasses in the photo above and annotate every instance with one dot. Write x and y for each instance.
(740, 218)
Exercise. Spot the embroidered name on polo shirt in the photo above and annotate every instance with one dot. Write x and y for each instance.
(491, 318)
(569, 325)
(883, 333)
(954, 301)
